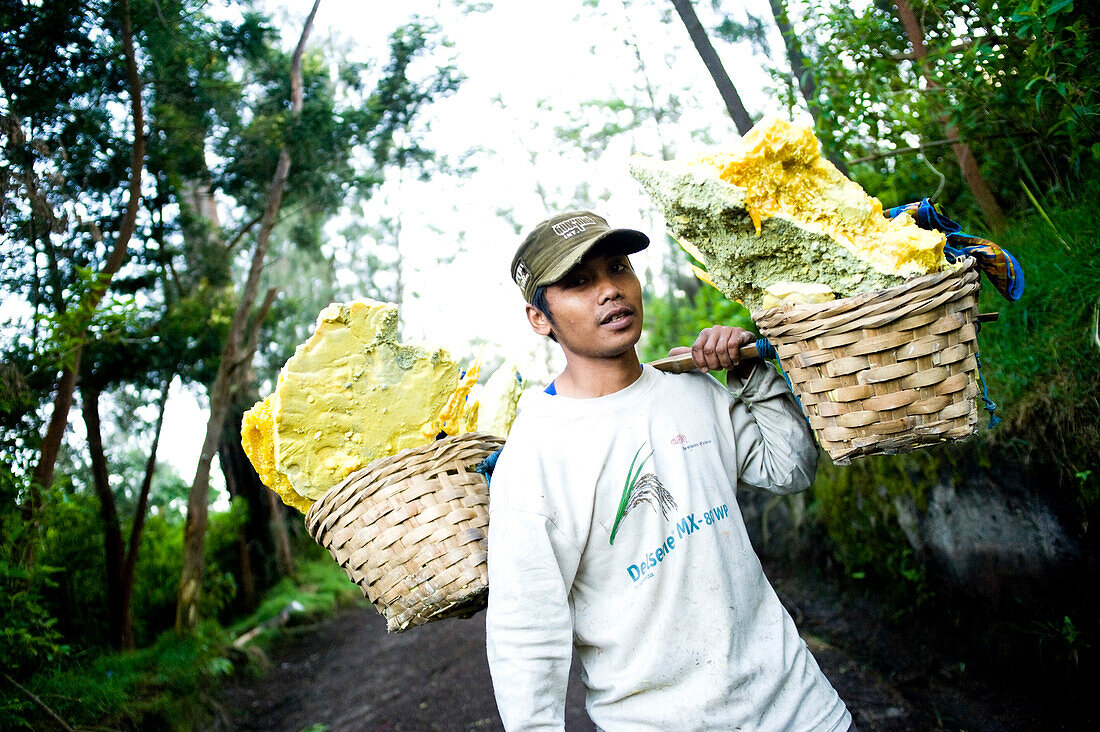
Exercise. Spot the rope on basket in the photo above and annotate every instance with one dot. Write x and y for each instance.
(990, 405)
(486, 466)
(995, 262)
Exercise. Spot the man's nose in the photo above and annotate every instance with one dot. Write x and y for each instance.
(607, 289)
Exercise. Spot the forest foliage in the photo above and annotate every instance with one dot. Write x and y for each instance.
(1009, 89)
(182, 111)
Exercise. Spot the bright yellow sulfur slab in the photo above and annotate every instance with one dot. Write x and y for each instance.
(780, 166)
(258, 439)
(352, 394)
(770, 209)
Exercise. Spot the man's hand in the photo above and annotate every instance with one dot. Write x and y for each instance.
(719, 347)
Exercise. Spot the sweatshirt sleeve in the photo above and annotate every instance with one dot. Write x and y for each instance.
(529, 628)
(776, 450)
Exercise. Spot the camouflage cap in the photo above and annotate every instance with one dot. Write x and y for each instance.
(557, 244)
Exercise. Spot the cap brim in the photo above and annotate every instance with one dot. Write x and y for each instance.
(630, 241)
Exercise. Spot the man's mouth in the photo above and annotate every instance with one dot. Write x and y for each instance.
(617, 315)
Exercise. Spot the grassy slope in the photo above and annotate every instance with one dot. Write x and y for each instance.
(1041, 363)
(165, 686)
(1042, 358)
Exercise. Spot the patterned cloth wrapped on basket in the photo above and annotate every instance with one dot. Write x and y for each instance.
(888, 371)
(411, 530)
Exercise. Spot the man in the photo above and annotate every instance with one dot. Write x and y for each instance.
(613, 522)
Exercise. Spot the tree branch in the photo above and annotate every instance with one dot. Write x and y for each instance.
(954, 48)
(919, 148)
(900, 151)
(253, 341)
(713, 62)
(240, 234)
(51, 441)
(146, 485)
(30, 695)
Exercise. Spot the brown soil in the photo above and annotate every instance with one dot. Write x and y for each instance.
(348, 673)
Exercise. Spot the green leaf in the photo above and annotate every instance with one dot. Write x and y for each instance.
(628, 488)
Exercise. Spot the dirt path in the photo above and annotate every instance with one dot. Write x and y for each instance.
(347, 673)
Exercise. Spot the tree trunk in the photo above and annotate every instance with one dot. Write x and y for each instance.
(801, 74)
(284, 558)
(244, 485)
(113, 552)
(800, 71)
(968, 164)
(714, 65)
(235, 355)
(63, 400)
(138, 526)
(263, 541)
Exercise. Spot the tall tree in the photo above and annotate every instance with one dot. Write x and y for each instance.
(339, 154)
(239, 348)
(968, 164)
(78, 321)
(801, 73)
(65, 178)
(73, 122)
(713, 62)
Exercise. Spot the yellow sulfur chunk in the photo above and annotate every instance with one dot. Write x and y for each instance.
(795, 293)
(690, 248)
(450, 420)
(499, 399)
(352, 394)
(780, 166)
(470, 416)
(258, 440)
(771, 209)
(703, 275)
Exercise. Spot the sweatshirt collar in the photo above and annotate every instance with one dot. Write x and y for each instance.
(550, 402)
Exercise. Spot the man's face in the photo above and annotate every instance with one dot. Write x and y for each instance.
(597, 307)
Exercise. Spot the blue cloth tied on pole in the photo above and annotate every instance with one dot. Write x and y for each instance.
(1002, 269)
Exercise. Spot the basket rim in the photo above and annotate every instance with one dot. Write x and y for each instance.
(327, 503)
(807, 311)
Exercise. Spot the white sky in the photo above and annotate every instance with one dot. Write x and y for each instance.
(525, 54)
(539, 61)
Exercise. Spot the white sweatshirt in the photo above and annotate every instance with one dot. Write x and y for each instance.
(613, 526)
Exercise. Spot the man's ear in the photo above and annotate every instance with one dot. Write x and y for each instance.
(538, 320)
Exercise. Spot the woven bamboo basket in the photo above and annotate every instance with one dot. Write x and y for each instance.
(888, 371)
(411, 530)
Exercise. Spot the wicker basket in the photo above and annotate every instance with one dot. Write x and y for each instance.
(888, 371)
(411, 529)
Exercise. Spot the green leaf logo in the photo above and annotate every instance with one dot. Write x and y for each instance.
(640, 489)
